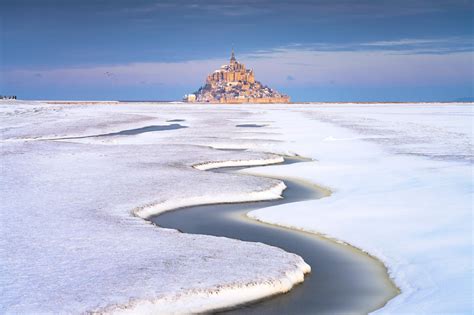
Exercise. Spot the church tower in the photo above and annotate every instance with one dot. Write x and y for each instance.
(232, 58)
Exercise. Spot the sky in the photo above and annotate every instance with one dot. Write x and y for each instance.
(312, 50)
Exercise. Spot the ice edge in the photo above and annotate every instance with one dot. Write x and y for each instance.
(216, 298)
(272, 193)
(234, 163)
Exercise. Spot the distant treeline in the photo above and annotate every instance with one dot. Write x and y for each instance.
(7, 97)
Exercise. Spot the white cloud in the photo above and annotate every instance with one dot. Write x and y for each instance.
(363, 68)
(312, 68)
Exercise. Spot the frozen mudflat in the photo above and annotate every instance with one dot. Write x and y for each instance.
(400, 176)
(70, 242)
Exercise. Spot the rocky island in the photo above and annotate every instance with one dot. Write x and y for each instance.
(233, 83)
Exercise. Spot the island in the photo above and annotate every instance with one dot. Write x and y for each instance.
(233, 83)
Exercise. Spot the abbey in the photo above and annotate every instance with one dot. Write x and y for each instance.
(233, 83)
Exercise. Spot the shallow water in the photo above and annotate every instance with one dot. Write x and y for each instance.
(131, 132)
(343, 279)
(176, 120)
(250, 125)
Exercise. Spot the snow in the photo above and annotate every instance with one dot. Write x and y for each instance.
(400, 177)
(198, 301)
(271, 193)
(234, 163)
(401, 182)
(69, 240)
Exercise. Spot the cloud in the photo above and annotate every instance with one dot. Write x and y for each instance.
(373, 67)
(229, 8)
(406, 42)
(424, 45)
(153, 73)
(444, 45)
(316, 8)
(369, 67)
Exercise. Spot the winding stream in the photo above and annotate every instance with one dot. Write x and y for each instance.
(343, 279)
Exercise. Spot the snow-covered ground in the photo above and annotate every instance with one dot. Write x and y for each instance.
(400, 176)
(69, 240)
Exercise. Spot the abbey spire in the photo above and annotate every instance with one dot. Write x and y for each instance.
(232, 58)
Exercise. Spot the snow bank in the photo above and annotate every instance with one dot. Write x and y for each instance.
(236, 163)
(212, 299)
(272, 193)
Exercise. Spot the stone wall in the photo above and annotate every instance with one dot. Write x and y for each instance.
(266, 100)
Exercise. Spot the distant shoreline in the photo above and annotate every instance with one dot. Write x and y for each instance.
(99, 102)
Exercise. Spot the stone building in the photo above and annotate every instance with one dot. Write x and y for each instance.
(232, 73)
(234, 83)
(7, 97)
(190, 98)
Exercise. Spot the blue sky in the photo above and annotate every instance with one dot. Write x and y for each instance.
(331, 50)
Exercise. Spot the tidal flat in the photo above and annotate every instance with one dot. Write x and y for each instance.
(70, 199)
